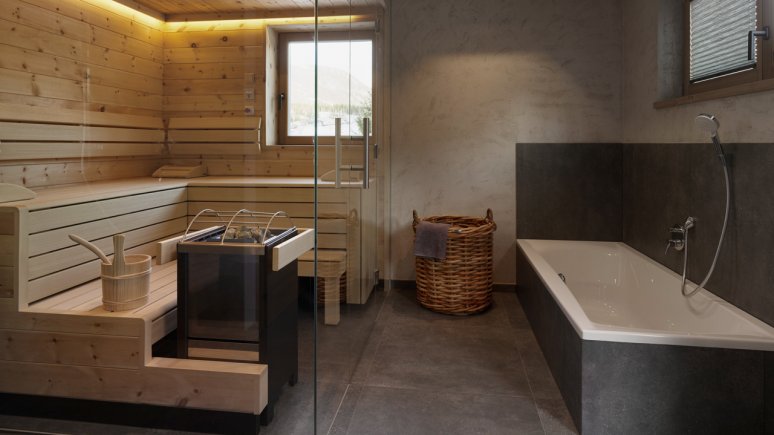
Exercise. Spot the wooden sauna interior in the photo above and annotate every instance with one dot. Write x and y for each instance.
(79, 61)
(95, 95)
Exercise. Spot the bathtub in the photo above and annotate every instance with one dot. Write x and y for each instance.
(631, 355)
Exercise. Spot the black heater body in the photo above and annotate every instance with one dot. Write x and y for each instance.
(232, 306)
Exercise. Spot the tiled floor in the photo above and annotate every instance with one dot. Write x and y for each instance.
(392, 367)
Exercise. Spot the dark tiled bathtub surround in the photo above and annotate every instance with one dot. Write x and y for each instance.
(665, 183)
(568, 191)
(635, 192)
(583, 192)
(629, 388)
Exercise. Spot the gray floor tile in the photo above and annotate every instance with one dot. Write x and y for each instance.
(294, 412)
(516, 316)
(539, 375)
(465, 369)
(18, 425)
(399, 411)
(401, 306)
(554, 417)
(451, 335)
(368, 358)
(340, 424)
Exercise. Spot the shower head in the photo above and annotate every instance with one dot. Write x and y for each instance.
(708, 123)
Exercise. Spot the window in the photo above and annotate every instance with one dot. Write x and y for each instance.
(345, 85)
(726, 44)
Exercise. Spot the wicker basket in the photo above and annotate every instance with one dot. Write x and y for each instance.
(461, 283)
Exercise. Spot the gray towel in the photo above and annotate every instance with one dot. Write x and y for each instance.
(430, 240)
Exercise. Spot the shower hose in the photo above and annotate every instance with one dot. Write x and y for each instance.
(720, 241)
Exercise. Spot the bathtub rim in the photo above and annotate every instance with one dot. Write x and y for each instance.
(589, 330)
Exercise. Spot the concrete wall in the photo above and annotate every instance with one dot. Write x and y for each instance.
(469, 80)
(648, 69)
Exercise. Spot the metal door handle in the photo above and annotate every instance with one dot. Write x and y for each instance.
(337, 144)
(365, 153)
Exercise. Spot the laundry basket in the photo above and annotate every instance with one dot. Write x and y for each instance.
(462, 282)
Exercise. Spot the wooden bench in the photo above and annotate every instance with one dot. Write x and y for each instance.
(59, 341)
(86, 300)
(219, 136)
(28, 133)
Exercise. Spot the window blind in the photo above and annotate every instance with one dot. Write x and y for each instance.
(719, 37)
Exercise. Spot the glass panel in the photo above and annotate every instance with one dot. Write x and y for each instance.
(348, 302)
(344, 74)
(131, 94)
(719, 37)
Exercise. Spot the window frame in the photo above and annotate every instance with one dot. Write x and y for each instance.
(285, 39)
(764, 67)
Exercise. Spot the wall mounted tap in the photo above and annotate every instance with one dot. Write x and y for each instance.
(678, 233)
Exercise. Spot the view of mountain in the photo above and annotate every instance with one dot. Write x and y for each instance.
(333, 87)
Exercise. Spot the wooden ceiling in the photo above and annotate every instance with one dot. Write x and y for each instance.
(187, 9)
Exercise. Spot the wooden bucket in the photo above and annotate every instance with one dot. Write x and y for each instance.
(126, 282)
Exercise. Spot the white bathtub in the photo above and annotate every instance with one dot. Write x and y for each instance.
(614, 293)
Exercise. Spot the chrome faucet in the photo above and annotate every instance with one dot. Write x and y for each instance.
(678, 233)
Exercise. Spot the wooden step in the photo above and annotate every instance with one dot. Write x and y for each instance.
(330, 263)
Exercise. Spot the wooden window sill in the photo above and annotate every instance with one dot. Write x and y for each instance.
(732, 91)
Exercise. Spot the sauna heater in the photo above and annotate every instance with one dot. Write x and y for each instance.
(233, 306)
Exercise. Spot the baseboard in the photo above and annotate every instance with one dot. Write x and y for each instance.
(504, 288)
(402, 284)
(129, 414)
(412, 284)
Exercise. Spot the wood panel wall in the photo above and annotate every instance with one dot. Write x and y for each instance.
(208, 67)
(76, 55)
(208, 71)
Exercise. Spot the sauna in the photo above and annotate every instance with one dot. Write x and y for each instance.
(130, 118)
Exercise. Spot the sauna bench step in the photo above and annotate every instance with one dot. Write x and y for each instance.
(330, 263)
(76, 318)
(86, 300)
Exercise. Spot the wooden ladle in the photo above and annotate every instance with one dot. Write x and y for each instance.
(119, 262)
(91, 247)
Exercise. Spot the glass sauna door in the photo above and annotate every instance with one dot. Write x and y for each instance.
(348, 133)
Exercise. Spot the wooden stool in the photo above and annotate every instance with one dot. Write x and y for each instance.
(331, 264)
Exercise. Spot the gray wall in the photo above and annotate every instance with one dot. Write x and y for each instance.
(670, 170)
(665, 183)
(472, 78)
(650, 62)
(636, 192)
(568, 191)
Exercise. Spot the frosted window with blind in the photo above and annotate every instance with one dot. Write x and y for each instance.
(720, 38)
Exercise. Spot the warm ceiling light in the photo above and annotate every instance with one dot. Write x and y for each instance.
(126, 11)
(193, 26)
(201, 26)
